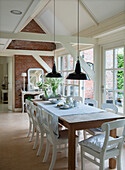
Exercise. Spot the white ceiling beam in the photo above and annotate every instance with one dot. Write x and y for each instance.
(42, 62)
(88, 12)
(11, 52)
(84, 65)
(105, 27)
(39, 7)
(45, 37)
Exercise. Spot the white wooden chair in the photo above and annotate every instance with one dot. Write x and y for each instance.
(91, 102)
(52, 138)
(31, 125)
(36, 125)
(105, 106)
(78, 98)
(41, 129)
(102, 146)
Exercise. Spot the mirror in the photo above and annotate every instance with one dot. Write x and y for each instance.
(34, 76)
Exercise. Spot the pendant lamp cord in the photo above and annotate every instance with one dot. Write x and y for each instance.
(54, 27)
(78, 30)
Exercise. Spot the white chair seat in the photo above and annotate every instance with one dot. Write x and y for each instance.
(96, 142)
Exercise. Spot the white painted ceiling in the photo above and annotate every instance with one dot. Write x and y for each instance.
(66, 15)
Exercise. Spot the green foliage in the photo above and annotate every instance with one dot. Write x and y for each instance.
(120, 74)
(50, 83)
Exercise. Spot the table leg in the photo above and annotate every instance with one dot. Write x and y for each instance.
(112, 162)
(71, 149)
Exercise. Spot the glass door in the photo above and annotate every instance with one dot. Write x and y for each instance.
(114, 88)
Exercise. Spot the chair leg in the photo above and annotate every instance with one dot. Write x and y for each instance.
(84, 134)
(76, 151)
(41, 145)
(47, 151)
(30, 126)
(36, 140)
(82, 159)
(33, 131)
(66, 151)
(101, 165)
(53, 158)
(119, 162)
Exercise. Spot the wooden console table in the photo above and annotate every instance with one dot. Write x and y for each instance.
(29, 93)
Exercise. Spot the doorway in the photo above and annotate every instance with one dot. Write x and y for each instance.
(5, 84)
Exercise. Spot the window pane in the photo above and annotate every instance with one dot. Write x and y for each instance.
(76, 82)
(109, 96)
(109, 59)
(119, 79)
(87, 55)
(76, 90)
(119, 58)
(71, 63)
(65, 62)
(119, 96)
(71, 90)
(109, 80)
(89, 92)
(65, 90)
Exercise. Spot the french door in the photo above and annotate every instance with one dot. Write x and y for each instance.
(114, 77)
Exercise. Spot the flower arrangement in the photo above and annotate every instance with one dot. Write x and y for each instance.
(50, 84)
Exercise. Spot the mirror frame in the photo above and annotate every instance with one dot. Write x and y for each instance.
(30, 69)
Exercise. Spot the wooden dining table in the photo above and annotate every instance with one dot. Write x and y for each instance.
(82, 122)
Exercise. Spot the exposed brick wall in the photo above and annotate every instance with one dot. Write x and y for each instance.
(33, 27)
(22, 64)
(32, 45)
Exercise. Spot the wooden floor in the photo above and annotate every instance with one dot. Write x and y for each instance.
(16, 151)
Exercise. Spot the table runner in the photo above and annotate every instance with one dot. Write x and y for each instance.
(57, 112)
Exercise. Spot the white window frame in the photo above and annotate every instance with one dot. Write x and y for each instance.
(106, 48)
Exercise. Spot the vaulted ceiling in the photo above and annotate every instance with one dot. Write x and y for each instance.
(92, 13)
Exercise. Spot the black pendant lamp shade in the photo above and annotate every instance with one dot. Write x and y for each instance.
(77, 75)
(54, 74)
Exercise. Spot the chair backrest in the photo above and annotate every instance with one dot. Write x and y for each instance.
(33, 113)
(117, 142)
(39, 119)
(91, 102)
(28, 107)
(112, 107)
(47, 124)
(78, 98)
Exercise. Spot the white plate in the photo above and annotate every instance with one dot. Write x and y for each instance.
(54, 101)
(64, 107)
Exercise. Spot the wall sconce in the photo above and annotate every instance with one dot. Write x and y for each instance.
(23, 75)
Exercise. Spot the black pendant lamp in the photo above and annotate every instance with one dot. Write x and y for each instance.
(77, 75)
(54, 73)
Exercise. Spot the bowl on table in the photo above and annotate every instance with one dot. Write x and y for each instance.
(54, 100)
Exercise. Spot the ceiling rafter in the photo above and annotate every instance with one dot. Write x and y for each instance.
(11, 52)
(88, 12)
(39, 8)
(45, 37)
